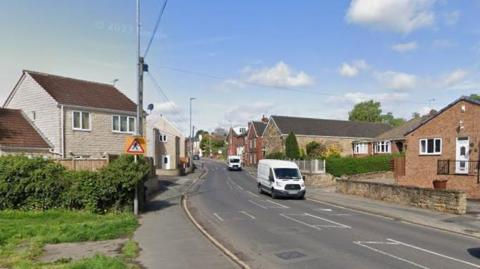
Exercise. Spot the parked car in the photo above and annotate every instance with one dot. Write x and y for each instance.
(234, 163)
(280, 179)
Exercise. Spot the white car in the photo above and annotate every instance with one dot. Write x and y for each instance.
(280, 179)
(234, 163)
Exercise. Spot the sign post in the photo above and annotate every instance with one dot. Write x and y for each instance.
(135, 145)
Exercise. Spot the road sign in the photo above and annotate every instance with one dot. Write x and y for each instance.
(135, 145)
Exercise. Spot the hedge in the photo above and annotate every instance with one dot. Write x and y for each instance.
(339, 166)
(39, 184)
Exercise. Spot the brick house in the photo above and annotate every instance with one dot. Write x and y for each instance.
(236, 141)
(254, 150)
(391, 141)
(338, 132)
(19, 136)
(446, 146)
(80, 119)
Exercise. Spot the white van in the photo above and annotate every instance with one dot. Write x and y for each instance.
(234, 163)
(280, 178)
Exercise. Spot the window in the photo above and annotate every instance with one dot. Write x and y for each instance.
(254, 143)
(382, 147)
(162, 137)
(431, 146)
(123, 124)
(81, 121)
(360, 148)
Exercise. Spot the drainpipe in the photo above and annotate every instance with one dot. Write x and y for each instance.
(62, 130)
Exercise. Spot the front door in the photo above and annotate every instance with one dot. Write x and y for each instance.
(462, 153)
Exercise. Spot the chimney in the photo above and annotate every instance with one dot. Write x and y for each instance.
(264, 119)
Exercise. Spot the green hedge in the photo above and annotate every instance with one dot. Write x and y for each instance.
(40, 184)
(339, 166)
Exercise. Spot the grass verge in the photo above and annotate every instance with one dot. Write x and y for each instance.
(23, 235)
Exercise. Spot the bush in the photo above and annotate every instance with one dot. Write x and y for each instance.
(339, 166)
(276, 156)
(43, 184)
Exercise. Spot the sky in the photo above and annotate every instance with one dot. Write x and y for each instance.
(244, 59)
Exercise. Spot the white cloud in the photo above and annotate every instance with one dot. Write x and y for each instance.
(397, 80)
(352, 69)
(280, 75)
(453, 78)
(402, 16)
(242, 114)
(405, 47)
(357, 97)
(171, 111)
(451, 18)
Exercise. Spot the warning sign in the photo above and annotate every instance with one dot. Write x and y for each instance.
(135, 145)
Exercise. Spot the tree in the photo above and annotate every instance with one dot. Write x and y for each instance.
(369, 111)
(474, 96)
(292, 151)
(316, 150)
(200, 132)
(391, 120)
(415, 115)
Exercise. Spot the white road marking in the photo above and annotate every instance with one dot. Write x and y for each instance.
(390, 255)
(253, 194)
(257, 204)
(301, 222)
(350, 209)
(247, 214)
(434, 253)
(229, 185)
(240, 187)
(218, 217)
(324, 209)
(330, 221)
(275, 203)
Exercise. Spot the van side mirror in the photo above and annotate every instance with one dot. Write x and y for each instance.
(271, 178)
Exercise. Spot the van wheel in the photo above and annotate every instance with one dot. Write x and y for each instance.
(260, 190)
(274, 195)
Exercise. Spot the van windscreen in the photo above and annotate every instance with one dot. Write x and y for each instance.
(287, 173)
(234, 160)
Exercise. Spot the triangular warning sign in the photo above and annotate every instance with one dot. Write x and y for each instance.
(135, 147)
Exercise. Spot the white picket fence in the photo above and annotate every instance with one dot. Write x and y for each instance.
(311, 166)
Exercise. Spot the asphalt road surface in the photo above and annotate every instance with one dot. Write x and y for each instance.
(287, 233)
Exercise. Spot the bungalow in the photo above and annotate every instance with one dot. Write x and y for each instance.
(254, 150)
(446, 146)
(19, 136)
(338, 132)
(80, 119)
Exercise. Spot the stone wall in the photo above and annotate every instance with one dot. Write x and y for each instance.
(450, 201)
(319, 180)
(379, 177)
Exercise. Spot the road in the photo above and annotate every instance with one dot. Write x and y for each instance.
(286, 233)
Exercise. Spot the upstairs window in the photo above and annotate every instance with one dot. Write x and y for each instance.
(431, 146)
(123, 124)
(81, 121)
(162, 138)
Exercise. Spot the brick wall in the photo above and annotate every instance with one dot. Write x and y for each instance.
(421, 170)
(450, 201)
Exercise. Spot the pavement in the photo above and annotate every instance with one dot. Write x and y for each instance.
(168, 239)
(311, 233)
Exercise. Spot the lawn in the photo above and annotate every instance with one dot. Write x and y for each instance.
(23, 234)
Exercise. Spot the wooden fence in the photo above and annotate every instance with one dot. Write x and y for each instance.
(83, 164)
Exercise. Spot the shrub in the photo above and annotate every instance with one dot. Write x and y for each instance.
(276, 156)
(43, 184)
(339, 166)
(291, 147)
(316, 150)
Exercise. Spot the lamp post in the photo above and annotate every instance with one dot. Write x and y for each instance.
(191, 135)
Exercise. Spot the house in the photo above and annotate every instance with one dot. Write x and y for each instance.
(19, 136)
(391, 141)
(446, 146)
(79, 118)
(253, 144)
(165, 143)
(329, 132)
(236, 141)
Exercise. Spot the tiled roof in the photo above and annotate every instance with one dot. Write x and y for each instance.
(70, 91)
(323, 127)
(259, 127)
(16, 131)
(398, 133)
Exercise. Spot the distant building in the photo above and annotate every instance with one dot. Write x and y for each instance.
(236, 141)
(254, 150)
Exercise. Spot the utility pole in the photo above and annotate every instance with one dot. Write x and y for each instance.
(191, 135)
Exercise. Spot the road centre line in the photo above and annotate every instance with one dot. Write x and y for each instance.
(247, 214)
(275, 203)
(253, 194)
(434, 253)
(301, 222)
(390, 255)
(257, 204)
(350, 209)
(327, 220)
(218, 217)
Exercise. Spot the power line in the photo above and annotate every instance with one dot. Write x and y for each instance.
(159, 18)
(199, 74)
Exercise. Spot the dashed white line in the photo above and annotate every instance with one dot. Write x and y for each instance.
(434, 253)
(253, 194)
(301, 222)
(275, 203)
(248, 214)
(218, 217)
(330, 221)
(257, 204)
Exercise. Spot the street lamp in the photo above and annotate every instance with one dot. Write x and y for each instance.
(191, 135)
